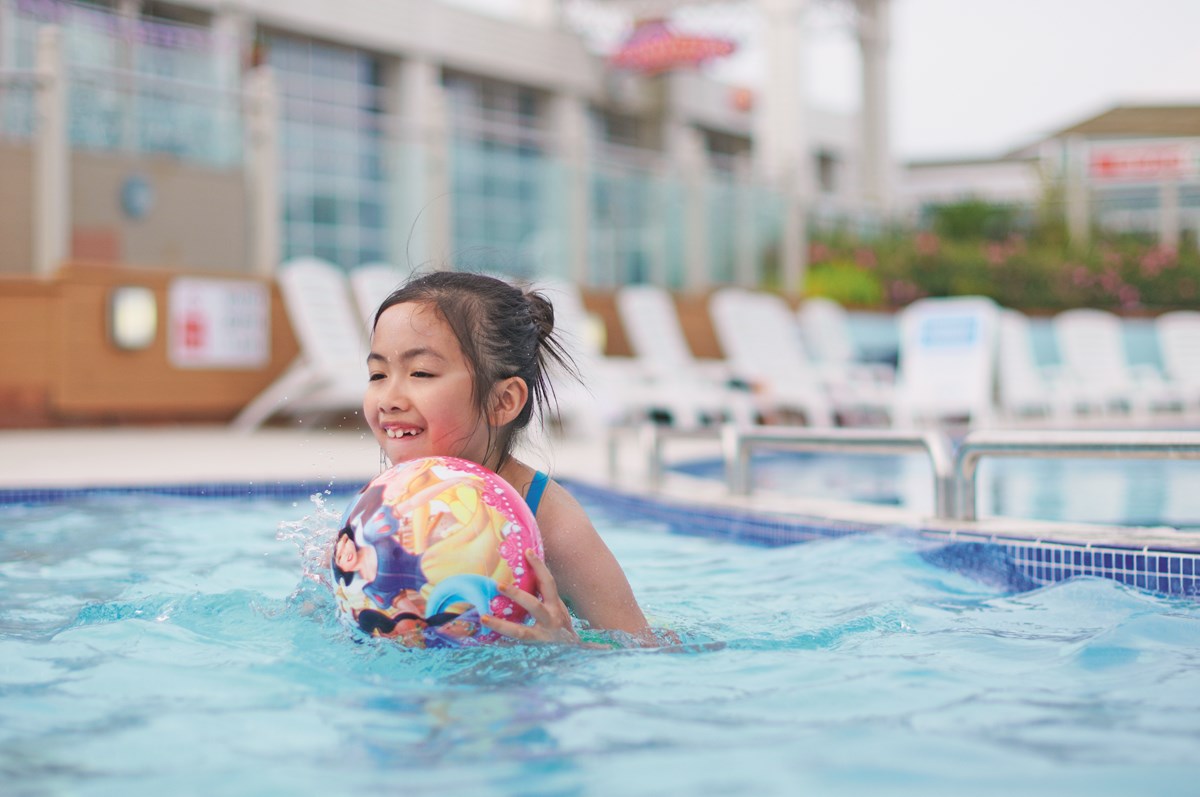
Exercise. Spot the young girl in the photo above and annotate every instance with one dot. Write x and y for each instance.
(457, 367)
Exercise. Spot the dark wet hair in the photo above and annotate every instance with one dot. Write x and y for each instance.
(503, 330)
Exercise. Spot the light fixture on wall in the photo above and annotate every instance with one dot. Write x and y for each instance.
(132, 317)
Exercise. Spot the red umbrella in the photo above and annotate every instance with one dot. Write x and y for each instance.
(653, 47)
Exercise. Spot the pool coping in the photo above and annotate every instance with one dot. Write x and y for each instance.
(279, 464)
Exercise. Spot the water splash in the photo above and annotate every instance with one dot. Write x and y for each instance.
(313, 536)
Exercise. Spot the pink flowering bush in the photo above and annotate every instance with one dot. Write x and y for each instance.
(1024, 266)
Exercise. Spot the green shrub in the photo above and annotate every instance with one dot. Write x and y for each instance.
(845, 282)
(973, 220)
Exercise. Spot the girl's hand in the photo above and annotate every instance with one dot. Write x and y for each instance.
(551, 619)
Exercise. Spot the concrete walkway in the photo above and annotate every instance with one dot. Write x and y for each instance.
(125, 455)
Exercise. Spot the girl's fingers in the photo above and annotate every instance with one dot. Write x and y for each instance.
(537, 610)
(551, 619)
(508, 628)
(545, 579)
(530, 633)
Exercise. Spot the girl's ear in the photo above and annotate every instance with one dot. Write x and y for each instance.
(508, 399)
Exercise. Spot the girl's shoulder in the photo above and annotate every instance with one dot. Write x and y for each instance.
(557, 508)
(560, 512)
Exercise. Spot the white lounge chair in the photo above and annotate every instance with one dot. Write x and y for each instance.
(1091, 344)
(947, 362)
(1025, 387)
(607, 393)
(691, 393)
(371, 284)
(330, 372)
(761, 341)
(1178, 335)
(829, 340)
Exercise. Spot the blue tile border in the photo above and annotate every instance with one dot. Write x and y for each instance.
(1035, 563)
(766, 529)
(1015, 563)
(216, 490)
(1168, 572)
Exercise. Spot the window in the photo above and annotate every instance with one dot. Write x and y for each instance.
(334, 180)
(502, 182)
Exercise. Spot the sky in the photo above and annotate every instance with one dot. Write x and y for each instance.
(969, 77)
(987, 76)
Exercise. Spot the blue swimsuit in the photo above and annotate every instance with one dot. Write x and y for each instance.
(536, 487)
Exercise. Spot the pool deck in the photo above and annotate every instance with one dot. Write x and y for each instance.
(154, 455)
(187, 455)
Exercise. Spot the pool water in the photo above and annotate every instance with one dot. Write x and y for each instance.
(185, 646)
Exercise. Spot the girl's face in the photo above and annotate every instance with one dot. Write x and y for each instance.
(419, 400)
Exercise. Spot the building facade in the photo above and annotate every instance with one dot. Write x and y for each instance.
(1131, 168)
(235, 134)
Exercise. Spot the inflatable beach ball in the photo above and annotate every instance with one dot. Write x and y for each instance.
(423, 547)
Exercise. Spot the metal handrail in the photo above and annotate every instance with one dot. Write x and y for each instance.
(739, 442)
(954, 474)
(1059, 445)
(652, 438)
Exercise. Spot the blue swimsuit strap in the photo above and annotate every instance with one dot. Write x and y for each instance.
(536, 487)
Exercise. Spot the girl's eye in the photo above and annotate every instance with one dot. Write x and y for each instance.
(422, 374)
(375, 377)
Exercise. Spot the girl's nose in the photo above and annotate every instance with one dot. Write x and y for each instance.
(393, 398)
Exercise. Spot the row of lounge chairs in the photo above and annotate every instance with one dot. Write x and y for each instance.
(960, 360)
(330, 316)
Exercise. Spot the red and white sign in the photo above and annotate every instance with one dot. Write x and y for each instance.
(215, 323)
(1144, 161)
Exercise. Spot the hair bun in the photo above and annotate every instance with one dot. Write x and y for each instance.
(542, 314)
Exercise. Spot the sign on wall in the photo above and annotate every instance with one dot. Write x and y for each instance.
(215, 323)
(1144, 161)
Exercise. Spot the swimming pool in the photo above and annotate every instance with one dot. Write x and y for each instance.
(173, 644)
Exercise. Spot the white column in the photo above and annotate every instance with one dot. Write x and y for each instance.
(780, 134)
(793, 248)
(233, 31)
(745, 233)
(568, 118)
(1168, 214)
(1076, 190)
(874, 39)
(52, 157)
(128, 11)
(690, 160)
(421, 184)
(6, 35)
(263, 171)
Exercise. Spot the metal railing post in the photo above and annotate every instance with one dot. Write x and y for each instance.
(1063, 444)
(737, 460)
(738, 444)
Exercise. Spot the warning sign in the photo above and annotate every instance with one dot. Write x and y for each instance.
(215, 323)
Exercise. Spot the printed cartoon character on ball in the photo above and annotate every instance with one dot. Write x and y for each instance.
(424, 548)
